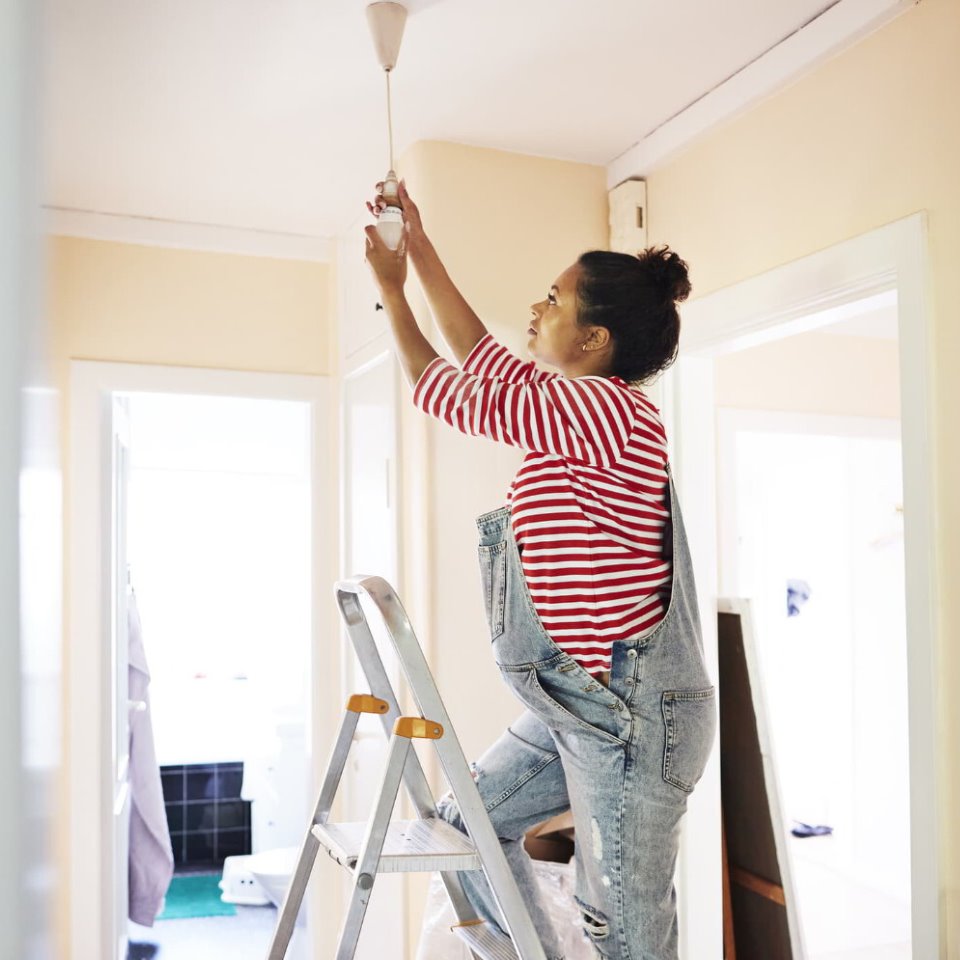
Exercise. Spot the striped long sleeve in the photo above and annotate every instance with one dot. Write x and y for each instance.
(585, 420)
(590, 503)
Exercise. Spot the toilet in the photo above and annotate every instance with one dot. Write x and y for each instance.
(238, 885)
(273, 871)
(275, 781)
(256, 879)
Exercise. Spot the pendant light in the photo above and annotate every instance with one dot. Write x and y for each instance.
(387, 21)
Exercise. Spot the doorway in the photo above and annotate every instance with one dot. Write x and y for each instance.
(227, 533)
(812, 535)
(218, 558)
(851, 280)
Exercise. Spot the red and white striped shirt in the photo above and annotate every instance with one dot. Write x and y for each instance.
(590, 503)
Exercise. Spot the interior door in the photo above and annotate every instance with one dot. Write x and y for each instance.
(116, 809)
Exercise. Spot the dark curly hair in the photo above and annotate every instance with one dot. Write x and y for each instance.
(635, 298)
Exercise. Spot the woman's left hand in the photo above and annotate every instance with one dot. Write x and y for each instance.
(389, 266)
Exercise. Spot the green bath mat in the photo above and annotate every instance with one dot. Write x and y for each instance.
(195, 895)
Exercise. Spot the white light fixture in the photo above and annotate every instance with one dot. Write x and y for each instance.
(387, 21)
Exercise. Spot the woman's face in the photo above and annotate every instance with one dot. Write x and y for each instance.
(554, 336)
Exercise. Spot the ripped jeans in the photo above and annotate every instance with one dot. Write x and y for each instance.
(623, 758)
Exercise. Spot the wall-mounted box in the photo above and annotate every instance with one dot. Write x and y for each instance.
(628, 216)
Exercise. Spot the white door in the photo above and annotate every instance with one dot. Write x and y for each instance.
(370, 547)
(117, 787)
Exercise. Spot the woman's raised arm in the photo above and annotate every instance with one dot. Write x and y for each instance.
(461, 328)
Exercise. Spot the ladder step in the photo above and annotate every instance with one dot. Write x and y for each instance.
(410, 846)
(486, 941)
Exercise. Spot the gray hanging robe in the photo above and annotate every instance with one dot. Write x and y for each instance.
(151, 855)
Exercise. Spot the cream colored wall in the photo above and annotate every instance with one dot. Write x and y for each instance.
(814, 373)
(870, 137)
(137, 304)
(505, 225)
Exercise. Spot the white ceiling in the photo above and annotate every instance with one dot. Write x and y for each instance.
(268, 115)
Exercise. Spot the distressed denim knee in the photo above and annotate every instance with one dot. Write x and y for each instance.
(596, 927)
(521, 783)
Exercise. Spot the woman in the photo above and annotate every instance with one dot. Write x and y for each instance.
(587, 577)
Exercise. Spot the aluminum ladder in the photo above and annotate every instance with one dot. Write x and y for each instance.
(426, 843)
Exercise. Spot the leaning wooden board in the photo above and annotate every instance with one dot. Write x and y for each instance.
(762, 897)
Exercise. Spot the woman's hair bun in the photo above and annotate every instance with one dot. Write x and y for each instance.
(635, 298)
(667, 271)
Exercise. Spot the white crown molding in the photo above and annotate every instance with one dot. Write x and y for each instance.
(835, 29)
(153, 232)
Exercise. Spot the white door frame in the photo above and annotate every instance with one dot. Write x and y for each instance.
(90, 876)
(388, 914)
(803, 295)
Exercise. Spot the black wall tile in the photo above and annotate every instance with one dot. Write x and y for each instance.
(207, 819)
(172, 783)
(229, 781)
(200, 847)
(232, 814)
(179, 848)
(175, 817)
(232, 843)
(200, 816)
(201, 784)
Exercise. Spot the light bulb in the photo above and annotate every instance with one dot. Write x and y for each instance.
(390, 221)
(390, 226)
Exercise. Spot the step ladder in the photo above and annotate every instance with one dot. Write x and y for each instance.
(427, 843)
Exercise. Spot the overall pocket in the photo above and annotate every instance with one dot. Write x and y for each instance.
(493, 576)
(690, 726)
(563, 707)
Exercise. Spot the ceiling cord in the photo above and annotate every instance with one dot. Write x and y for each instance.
(389, 120)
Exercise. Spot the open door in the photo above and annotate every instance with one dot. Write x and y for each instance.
(762, 901)
(116, 830)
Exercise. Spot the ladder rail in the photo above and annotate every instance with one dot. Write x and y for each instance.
(365, 872)
(452, 759)
(292, 900)
(335, 766)
(386, 798)
(287, 916)
(361, 636)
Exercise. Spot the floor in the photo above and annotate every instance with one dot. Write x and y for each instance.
(891, 951)
(245, 936)
(842, 920)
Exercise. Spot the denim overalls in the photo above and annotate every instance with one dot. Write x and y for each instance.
(623, 758)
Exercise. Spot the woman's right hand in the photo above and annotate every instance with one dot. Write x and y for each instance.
(461, 327)
(411, 214)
